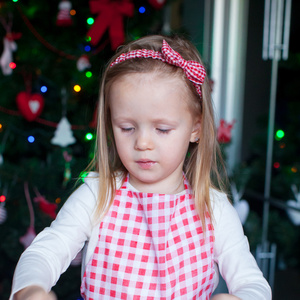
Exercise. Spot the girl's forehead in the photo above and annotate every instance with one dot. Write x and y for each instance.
(166, 81)
(149, 82)
(149, 92)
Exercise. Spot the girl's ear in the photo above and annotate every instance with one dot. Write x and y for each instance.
(195, 135)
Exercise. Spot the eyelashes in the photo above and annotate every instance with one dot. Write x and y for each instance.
(127, 129)
(131, 129)
(163, 131)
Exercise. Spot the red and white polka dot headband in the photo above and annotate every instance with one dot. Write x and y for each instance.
(194, 71)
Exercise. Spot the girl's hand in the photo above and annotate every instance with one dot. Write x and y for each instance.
(34, 293)
(224, 297)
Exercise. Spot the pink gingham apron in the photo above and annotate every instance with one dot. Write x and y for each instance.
(151, 246)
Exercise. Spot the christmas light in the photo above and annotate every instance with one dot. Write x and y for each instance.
(57, 200)
(2, 198)
(88, 38)
(87, 48)
(89, 136)
(142, 9)
(276, 165)
(83, 175)
(88, 74)
(12, 65)
(77, 88)
(294, 169)
(14, 0)
(44, 89)
(90, 21)
(72, 12)
(31, 139)
(282, 145)
(279, 134)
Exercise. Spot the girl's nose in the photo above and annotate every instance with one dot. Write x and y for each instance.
(143, 141)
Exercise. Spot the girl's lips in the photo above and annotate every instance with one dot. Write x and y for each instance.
(146, 164)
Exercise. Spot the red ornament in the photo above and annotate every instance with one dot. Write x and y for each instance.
(157, 4)
(224, 132)
(30, 105)
(45, 206)
(110, 17)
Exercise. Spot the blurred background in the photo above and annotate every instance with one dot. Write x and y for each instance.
(52, 56)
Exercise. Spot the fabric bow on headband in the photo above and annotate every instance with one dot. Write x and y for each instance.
(194, 71)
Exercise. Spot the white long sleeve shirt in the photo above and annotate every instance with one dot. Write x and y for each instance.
(52, 251)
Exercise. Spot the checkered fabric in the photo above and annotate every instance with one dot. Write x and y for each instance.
(151, 246)
(194, 71)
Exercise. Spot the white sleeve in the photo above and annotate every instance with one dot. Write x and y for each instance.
(53, 249)
(232, 254)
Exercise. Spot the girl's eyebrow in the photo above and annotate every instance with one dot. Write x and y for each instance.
(121, 118)
(155, 120)
(165, 121)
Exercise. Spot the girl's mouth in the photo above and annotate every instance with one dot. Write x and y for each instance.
(146, 164)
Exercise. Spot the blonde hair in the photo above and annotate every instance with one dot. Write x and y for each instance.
(201, 164)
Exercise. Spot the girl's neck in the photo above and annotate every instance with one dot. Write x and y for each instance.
(162, 187)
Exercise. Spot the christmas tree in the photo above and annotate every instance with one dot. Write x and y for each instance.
(52, 56)
(285, 181)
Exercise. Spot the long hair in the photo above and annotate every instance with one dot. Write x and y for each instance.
(201, 163)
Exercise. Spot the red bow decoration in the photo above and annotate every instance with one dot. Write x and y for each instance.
(45, 206)
(224, 132)
(194, 71)
(12, 36)
(110, 16)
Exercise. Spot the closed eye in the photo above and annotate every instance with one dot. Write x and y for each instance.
(164, 131)
(127, 129)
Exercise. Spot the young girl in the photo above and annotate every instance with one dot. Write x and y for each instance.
(151, 222)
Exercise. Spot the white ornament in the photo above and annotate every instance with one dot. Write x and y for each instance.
(63, 135)
(240, 205)
(27, 238)
(83, 63)
(3, 214)
(63, 16)
(294, 215)
(65, 5)
(9, 46)
(242, 208)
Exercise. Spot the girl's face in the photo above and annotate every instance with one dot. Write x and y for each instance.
(152, 125)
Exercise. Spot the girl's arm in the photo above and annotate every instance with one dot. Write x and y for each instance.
(53, 249)
(236, 263)
(34, 293)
